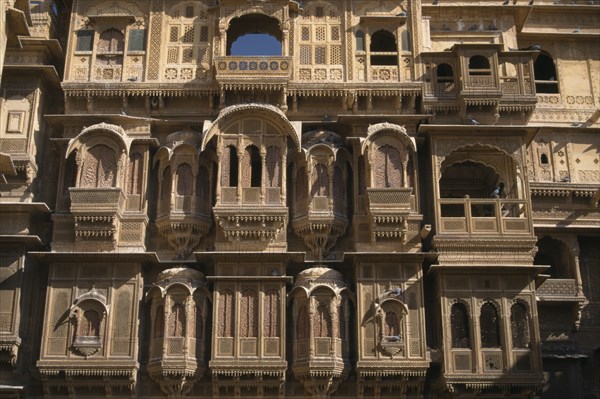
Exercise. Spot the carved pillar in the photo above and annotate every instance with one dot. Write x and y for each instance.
(330, 170)
(283, 174)
(240, 155)
(263, 172)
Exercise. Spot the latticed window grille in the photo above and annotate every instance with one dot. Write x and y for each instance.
(249, 314)
(271, 311)
(459, 322)
(320, 35)
(489, 323)
(519, 322)
(177, 321)
(188, 38)
(322, 321)
(226, 313)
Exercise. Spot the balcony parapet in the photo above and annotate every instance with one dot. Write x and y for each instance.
(253, 69)
(484, 217)
(559, 290)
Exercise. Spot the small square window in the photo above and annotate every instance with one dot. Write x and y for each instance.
(85, 40)
(137, 40)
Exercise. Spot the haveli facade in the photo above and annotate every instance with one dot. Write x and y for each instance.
(403, 203)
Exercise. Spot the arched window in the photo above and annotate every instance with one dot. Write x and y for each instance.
(360, 40)
(254, 34)
(459, 321)
(249, 314)
(391, 325)
(519, 323)
(177, 321)
(489, 323)
(99, 168)
(184, 179)
(546, 80)
(273, 163)
(111, 45)
(384, 50)
(159, 322)
(89, 324)
(322, 321)
(229, 167)
(445, 78)
(111, 41)
(252, 167)
(271, 311)
(479, 65)
(388, 167)
(320, 184)
(226, 313)
(544, 159)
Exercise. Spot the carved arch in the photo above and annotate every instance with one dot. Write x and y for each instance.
(237, 112)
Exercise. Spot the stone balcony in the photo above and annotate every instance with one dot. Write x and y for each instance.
(97, 213)
(484, 231)
(260, 70)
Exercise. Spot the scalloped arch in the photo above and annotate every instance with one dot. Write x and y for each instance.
(113, 132)
(388, 129)
(270, 112)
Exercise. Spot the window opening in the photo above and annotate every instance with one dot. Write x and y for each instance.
(459, 320)
(231, 162)
(85, 40)
(479, 65)
(177, 321)
(254, 34)
(490, 326)
(249, 314)
(384, 50)
(184, 179)
(406, 41)
(89, 325)
(360, 40)
(322, 321)
(137, 40)
(545, 74)
(519, 326)
(544, 159)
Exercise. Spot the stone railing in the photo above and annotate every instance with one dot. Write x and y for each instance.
(483, 216)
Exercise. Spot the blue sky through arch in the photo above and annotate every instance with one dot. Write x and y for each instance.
(256, 44)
